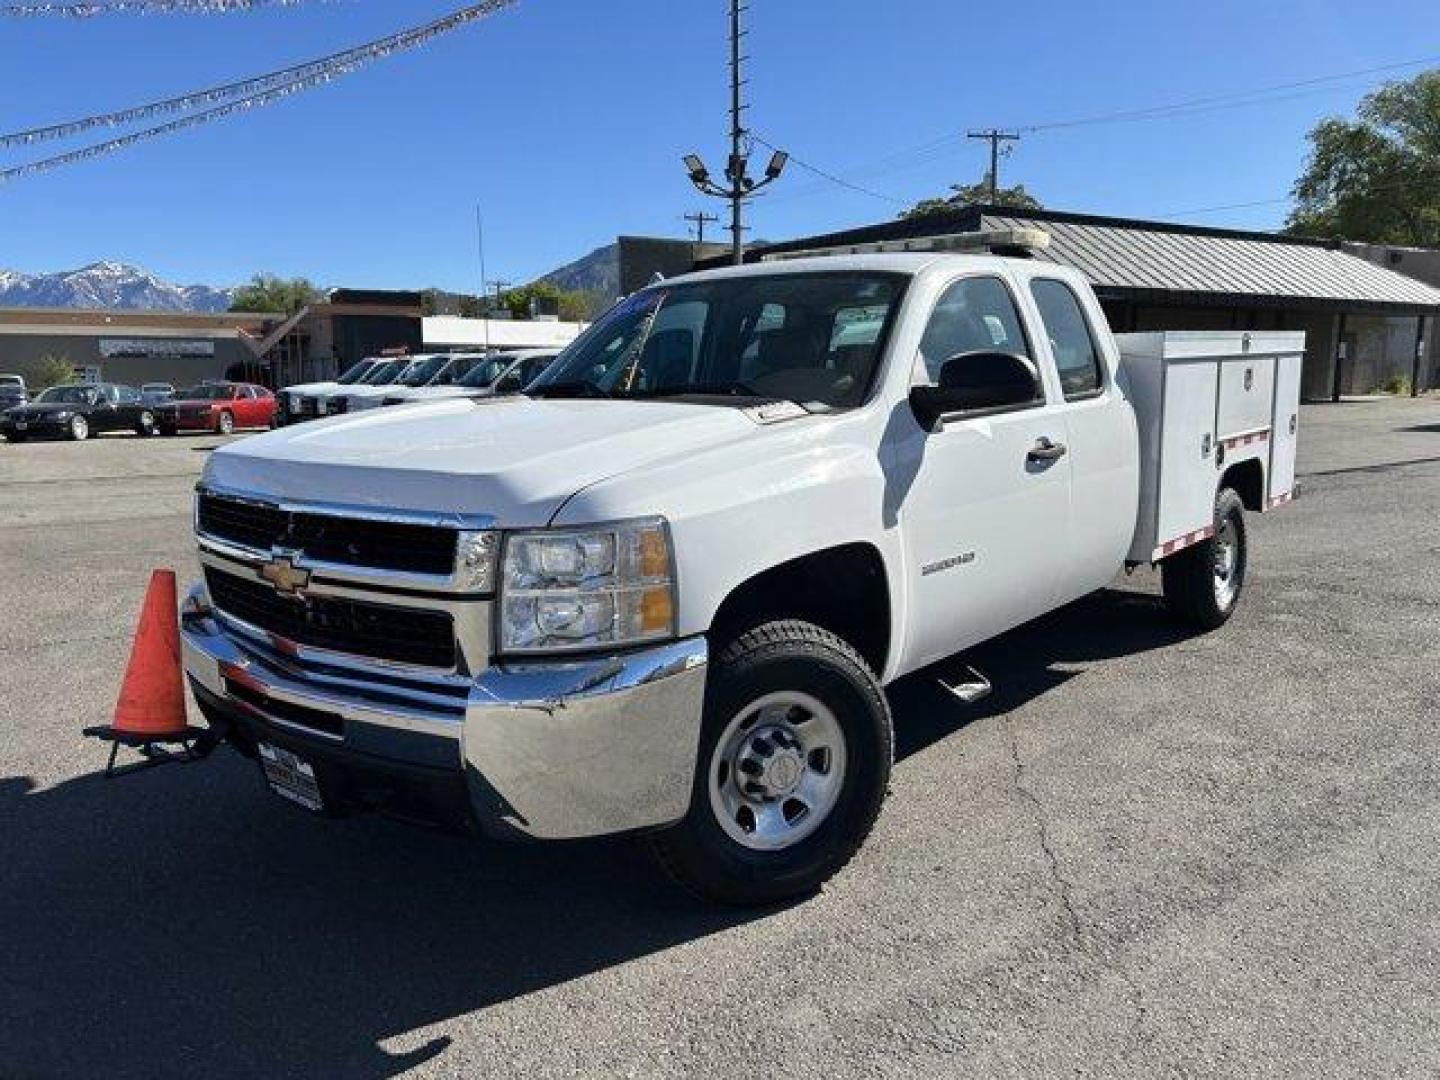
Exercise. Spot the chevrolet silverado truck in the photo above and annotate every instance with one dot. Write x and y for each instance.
(663, 590)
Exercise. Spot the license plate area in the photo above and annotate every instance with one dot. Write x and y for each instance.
(291, 777)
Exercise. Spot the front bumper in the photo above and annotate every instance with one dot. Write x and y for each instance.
(550, 751)
(41, 427)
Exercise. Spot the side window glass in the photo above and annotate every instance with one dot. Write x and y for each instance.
(972, 315)
(1076, 356)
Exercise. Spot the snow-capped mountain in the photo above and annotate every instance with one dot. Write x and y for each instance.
(108, 285)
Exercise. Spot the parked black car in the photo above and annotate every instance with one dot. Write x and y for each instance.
(77, 411)
(12, 394)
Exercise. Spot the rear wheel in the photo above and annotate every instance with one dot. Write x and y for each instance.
(795, 756)
(226, 424)
(79, 428)
(1202, 584)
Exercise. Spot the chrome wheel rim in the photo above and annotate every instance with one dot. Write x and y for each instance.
(776, 771)
(227, 425)
(1229, 572)
(79, 427)
(147, 421)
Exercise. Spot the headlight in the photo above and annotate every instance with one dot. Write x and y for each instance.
(608, 585)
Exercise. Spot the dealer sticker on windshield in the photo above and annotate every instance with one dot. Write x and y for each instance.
(290, 776)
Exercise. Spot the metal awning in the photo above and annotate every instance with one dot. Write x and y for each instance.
(1156, 262)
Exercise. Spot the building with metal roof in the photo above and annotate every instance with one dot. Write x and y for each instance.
(1367, 325)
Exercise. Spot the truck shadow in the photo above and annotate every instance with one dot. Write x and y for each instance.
(182, 922)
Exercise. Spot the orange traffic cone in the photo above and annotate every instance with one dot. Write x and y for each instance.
(151, 709)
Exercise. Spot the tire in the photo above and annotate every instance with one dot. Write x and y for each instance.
(226, 424)
(16, 438)
(79, 429)
(1203, 583)
(146, 424)
(759, 683)
(167, 430)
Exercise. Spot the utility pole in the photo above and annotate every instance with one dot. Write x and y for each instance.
(700, 219)
(741, 187)
(994, 136)
(499, 287)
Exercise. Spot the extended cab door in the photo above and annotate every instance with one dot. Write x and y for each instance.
(984, 500)
(1100, 433)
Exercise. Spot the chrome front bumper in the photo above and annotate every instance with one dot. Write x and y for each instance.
(555, 750)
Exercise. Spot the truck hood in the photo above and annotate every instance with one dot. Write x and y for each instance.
(440, 393)
(514, 459)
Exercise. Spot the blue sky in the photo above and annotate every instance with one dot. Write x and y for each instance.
(566, 120)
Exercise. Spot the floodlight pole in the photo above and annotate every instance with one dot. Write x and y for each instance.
(740, 186)
(736, 170)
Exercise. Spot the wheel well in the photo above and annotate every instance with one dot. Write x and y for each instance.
(1248, 480)
(843, 589)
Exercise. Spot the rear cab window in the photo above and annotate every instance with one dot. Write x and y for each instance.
(1072, 342)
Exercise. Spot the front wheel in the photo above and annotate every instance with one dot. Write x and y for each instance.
(1202, 584)
(79, 428)
(146, 424)
(226, 424)
(795, 755)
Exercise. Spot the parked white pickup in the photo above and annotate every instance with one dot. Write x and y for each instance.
(663, 590)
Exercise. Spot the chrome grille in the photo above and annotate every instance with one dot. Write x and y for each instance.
(381, 631)
(351, 541)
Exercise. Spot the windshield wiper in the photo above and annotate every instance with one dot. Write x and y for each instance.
(732, 388)
(578, 388)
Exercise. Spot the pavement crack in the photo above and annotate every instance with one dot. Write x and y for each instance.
(1081, 941)
(1062, 887)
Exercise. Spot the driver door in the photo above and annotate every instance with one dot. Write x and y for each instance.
(983, 518)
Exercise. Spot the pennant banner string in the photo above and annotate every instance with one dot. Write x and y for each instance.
(309, 74)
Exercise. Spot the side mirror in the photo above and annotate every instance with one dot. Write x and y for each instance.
(982, 381)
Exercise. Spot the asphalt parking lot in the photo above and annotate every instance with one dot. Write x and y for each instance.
(1148, 854)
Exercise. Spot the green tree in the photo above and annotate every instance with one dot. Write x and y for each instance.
(571, 305)
(1377, 177)
(970, 194)
(267, 292)
(54, 370)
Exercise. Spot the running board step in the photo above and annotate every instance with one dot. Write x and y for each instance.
(969, 686)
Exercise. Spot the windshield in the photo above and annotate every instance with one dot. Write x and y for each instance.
(812, 338)
(69, 395)
(422, 371)
(486, 372)
(384, 375)
(355, 372)
(208, 392)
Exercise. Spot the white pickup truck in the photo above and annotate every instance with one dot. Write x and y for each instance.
(664, 589)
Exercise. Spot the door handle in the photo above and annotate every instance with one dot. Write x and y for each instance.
(1046, 450)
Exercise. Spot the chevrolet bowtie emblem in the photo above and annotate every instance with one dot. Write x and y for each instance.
(287, 578)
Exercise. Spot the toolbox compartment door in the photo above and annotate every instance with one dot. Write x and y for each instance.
(1285, 425)
(1187, 448)
(1247, 386)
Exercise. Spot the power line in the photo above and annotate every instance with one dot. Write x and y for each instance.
(829, 175)
(1193, 106)
(1226, 100)
(272, 86)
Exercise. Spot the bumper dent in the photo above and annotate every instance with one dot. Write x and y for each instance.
(550, 751)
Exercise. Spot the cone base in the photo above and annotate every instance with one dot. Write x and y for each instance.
(131, 738)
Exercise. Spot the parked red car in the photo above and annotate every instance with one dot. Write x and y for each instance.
(218, 407)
